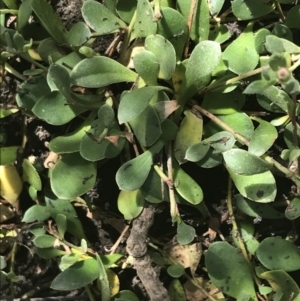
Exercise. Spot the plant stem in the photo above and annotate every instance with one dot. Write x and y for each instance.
(89, 293)
(193, 7)
(236, 232)
(163, 176)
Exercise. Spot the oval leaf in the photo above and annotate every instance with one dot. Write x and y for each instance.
(185, 233)
(292, 211)
(276, 253)
(99, 72)
(130, 203)
(132, 174)
(228, 270)
(72, 176)
(8, 154)
(30, 175)
(77, 275)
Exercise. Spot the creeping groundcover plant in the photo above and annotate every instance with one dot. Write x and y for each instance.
(182, 88)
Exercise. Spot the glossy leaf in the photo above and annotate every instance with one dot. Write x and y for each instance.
(130, 203)
(30, 175)
(245, 163)
(228, 269)
(292, 211)
(263, 138)
(144, 25)
(99, 72)
(190, 133)
(255, 209)
(282, 31)
(293, 17)
(135, 102)
(126, 9)
(147, 127)
(36, 213)
(276, 253)
(78, 34)
(133, 173)
(106, 23)
(241, 56)
(8, 154)
(174, 28)
(185, 233)
(196, 152)
(24, 13)
(146, 65)
(250, 9)
(186, 186)
(77, 275)
(50, 20)
(223, 103)
(72, 176)
(165, 54)
(70, 143)
(258, 187)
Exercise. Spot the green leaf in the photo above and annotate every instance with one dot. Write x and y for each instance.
(146, 65)
(258, 86)
(196, 152)
(223, 103)
(241, 56)
(36, 213)
(4, 113)
(293, 17)
(77, 275)
(109, 260)
(174, 28)
(24, 14)
(239, 122)
(130, 203)
(44, 241)
(78, 34)
(200, 24)
(57, 206)
(245, 163)
(8, 154)
(50, 20)
(61, 221)
(212, 159)
(260, 40)
(147, 127)
(219, 33)
(126, 295)
(135, 102)
(215, 6)
(279, 45)
(291, 86)
(186, 186)
(255, 209)
(30, 175)
(258, 187)
(263, 138)
(190, 133)
(176, 291)
(144, 24)
(133, 173)
(251, 9)
(126, 9)
(288, 135)
(228, 269)
(221, 141)
(282, 282)
(276, 253)
(49, 49)
(204, 59)
(175, 270)
(72, 176)
(103, 278)
(292, 211)
(99, 72)
(99, 18)
(48, 253)
(165, 54)
(282, 31)
(185, 233)
(54, 109)
(70, 143)
(68, 260)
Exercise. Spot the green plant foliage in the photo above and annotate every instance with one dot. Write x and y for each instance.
(44, 241)
(176, 291)
(257, 187)
(185, 233)
(72, 176)
(279, 45)
(248, 9)
(24, 13)
(255, 209)
(36, 213)
(278, 254)
(282, 282)
(100, 71)
(228, 269)
(108, 22)
(126, 9)
(30, 175)
(260, 40)
(8, 154)
(130, 203)
(292, 17)
(126, 296)
(77, 275)
(292, 211)
(50, 20)
(241, 56)
(215, 6)
(175, 270)
(78, 34)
